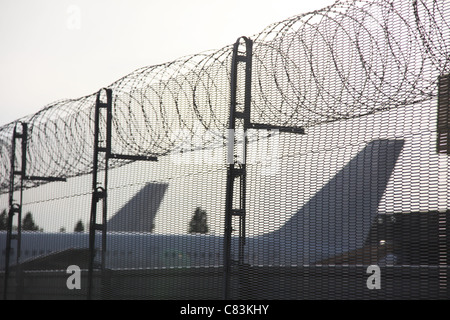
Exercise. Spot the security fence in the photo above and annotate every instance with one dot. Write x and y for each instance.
(309, 161)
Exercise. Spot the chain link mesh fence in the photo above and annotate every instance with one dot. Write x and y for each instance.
(355, 207)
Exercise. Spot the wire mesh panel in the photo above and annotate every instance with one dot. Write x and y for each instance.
(311, 164)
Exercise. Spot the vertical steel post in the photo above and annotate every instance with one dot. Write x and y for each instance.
(99, 192)
(13, 206)
(17, 207)
(235, 169)
(100, 189)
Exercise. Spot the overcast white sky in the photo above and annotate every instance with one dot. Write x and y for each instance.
(56, 49)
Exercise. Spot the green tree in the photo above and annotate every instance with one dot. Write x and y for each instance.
(198, 222)
(79, 227)
(28, 223)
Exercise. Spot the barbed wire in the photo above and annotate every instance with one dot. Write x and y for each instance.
(347, 60)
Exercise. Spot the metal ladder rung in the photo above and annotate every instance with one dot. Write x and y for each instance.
(99, 226)
(102, 105)
(237, 172)
(238, 212)
(241, 58)
(240, 115)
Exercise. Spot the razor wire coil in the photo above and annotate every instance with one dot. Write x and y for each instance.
(348, 60)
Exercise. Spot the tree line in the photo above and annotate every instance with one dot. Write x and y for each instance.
(28, 223)
(198, 223)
